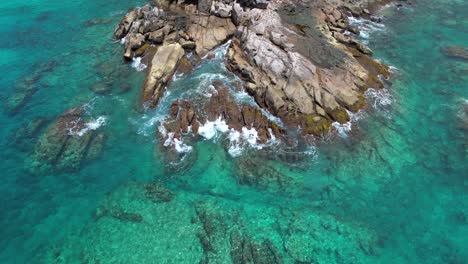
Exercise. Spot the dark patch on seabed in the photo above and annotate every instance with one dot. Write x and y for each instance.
(393, 189)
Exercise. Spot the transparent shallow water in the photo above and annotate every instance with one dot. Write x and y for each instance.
(391, 190)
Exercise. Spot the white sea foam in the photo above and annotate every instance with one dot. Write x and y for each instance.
(178, 145)
(247, 138)
(162, 130)
(91, 125)
(211, 129)
(220, 52)
(123, 40)
(311, 151)
(366, 27)
(206, 80)
(342, 129)
(89, 106)
(379, 98)
(177, 76)
(136, 64)
(250, 135)
(235, 147)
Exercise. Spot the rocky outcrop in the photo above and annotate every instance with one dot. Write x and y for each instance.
(67, 143)
(302, 62)
(209, 32)
(164, 36)
(185, 117)
(183, 24)
(302, 89)
(161, 69)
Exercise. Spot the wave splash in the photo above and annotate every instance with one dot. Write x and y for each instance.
(138, 65)
(88, 126)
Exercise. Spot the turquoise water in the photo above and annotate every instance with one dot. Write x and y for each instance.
(392, 190)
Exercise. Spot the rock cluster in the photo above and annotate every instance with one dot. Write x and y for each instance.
(303, 89)
(182, 24)
(185, 116)
(300, 61)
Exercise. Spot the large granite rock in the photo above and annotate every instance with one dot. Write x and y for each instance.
(161, 69)
(209, 32)
(273, 57)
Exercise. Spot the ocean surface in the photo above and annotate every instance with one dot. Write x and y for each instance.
(390, 187)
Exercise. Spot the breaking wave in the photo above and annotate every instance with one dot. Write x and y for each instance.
(366, 27)
(89, 126)
(137, 65)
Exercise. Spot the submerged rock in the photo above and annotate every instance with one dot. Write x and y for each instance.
(23, 137)
(246, 250)
(157, 193)
(248, 171)
(101, 87)
(68, 142)
(455, 52)
(28, 86)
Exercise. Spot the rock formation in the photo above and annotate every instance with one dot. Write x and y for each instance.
(162, 67)
(302, 62)
(185, 116)
(67, 143)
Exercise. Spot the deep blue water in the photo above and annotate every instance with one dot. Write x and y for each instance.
(392, 190)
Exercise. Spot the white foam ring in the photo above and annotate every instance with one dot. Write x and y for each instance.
(136, 64)
(89, 126)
